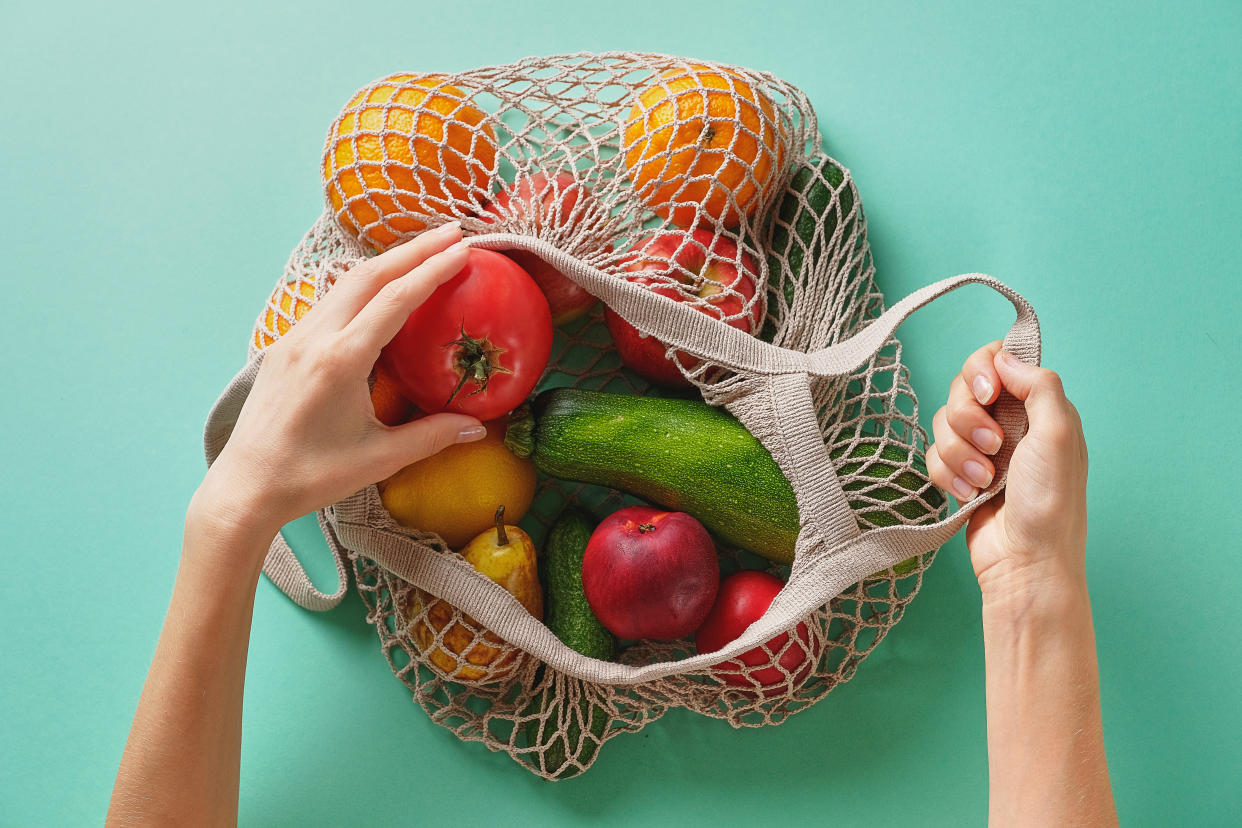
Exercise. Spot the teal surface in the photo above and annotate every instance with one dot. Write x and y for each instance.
(158, 161)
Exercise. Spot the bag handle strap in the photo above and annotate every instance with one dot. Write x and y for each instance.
(682, 327)
(825, 564)
(280, 565)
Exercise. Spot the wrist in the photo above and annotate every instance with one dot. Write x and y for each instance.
(1034, 593)
(230, 515)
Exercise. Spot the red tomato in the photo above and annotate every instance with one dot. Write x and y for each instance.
(742, 599)
(478, 344)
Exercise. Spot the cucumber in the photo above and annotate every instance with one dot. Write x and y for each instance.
(806, 205)
(555, 748)
(692, 457)
(569, 616)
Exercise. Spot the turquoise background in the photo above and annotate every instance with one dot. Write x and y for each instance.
(158, 163)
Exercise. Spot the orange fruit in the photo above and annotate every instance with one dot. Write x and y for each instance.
(288, 303)
(391, 408)
(455, 492)
(702, 138)
(403, 146)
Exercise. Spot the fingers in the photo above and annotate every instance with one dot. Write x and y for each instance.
(1050, 414)
(965, 433)
(359, 286)
(426, 436)
(963, 469)
(378, 322)
(979, 373)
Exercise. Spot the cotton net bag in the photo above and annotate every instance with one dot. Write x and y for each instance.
(660, 143)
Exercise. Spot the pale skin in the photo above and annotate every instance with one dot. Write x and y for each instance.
(1046, 762)
(308, 437)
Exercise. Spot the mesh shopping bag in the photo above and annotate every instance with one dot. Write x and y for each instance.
(807, 362)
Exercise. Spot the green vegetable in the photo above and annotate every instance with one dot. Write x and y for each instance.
(807, 204)
(554, 749)
(569, 616)
(692, 457)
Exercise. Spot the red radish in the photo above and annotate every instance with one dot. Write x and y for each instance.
(743, 598)
(726, 282)
(650, 574)
(536, 202)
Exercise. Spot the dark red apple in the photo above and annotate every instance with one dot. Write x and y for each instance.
(535, 202)
(742, 599)
(714, 269)
(650, 574)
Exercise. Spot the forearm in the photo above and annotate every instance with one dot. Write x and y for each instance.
(1045, 742)
(181, 762)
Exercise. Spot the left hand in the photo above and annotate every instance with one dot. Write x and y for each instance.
(307, 435)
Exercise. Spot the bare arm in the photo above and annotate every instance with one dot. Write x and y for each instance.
(1046, 757)
(306, 437)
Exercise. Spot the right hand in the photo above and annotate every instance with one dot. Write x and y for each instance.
(1036, 529)
(307, 435)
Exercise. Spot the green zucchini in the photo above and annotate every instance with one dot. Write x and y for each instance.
(692, 457)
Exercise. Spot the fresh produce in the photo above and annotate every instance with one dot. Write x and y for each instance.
(569, 614)
(466, 651)
(455, 492)
(391, 408)
(478, 344)
(650, 574)
(808, 204)
(438, 153)
(696, 458)
(538, 203)
(743, 598)
(289, 303)
(701, 138)
(556, 730)
(714, 270)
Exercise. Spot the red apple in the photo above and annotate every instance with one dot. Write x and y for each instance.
(650, 574)
(533, 203)
(742, 599)
(714, 269)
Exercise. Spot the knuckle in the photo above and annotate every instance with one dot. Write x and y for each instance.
(392, 293)
(1050, 382)
(960, 411)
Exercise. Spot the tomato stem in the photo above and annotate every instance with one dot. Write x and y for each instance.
(475, 359)
(646, 527)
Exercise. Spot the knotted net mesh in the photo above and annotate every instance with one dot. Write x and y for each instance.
(620, 154)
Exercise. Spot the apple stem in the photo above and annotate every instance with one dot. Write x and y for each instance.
(646, 527)
(501, 538)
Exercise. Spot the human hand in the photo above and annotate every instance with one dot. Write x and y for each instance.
(1034, 531)
(307, 435)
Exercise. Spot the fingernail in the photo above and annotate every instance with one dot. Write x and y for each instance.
(458, 247)
(447, 228)
(976, 473)
(988, 441)
(982, 387)
(471, 433)
(962, 489)
(1012, 360)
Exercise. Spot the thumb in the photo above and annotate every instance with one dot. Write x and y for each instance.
(1039, 388)
(432, 434)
